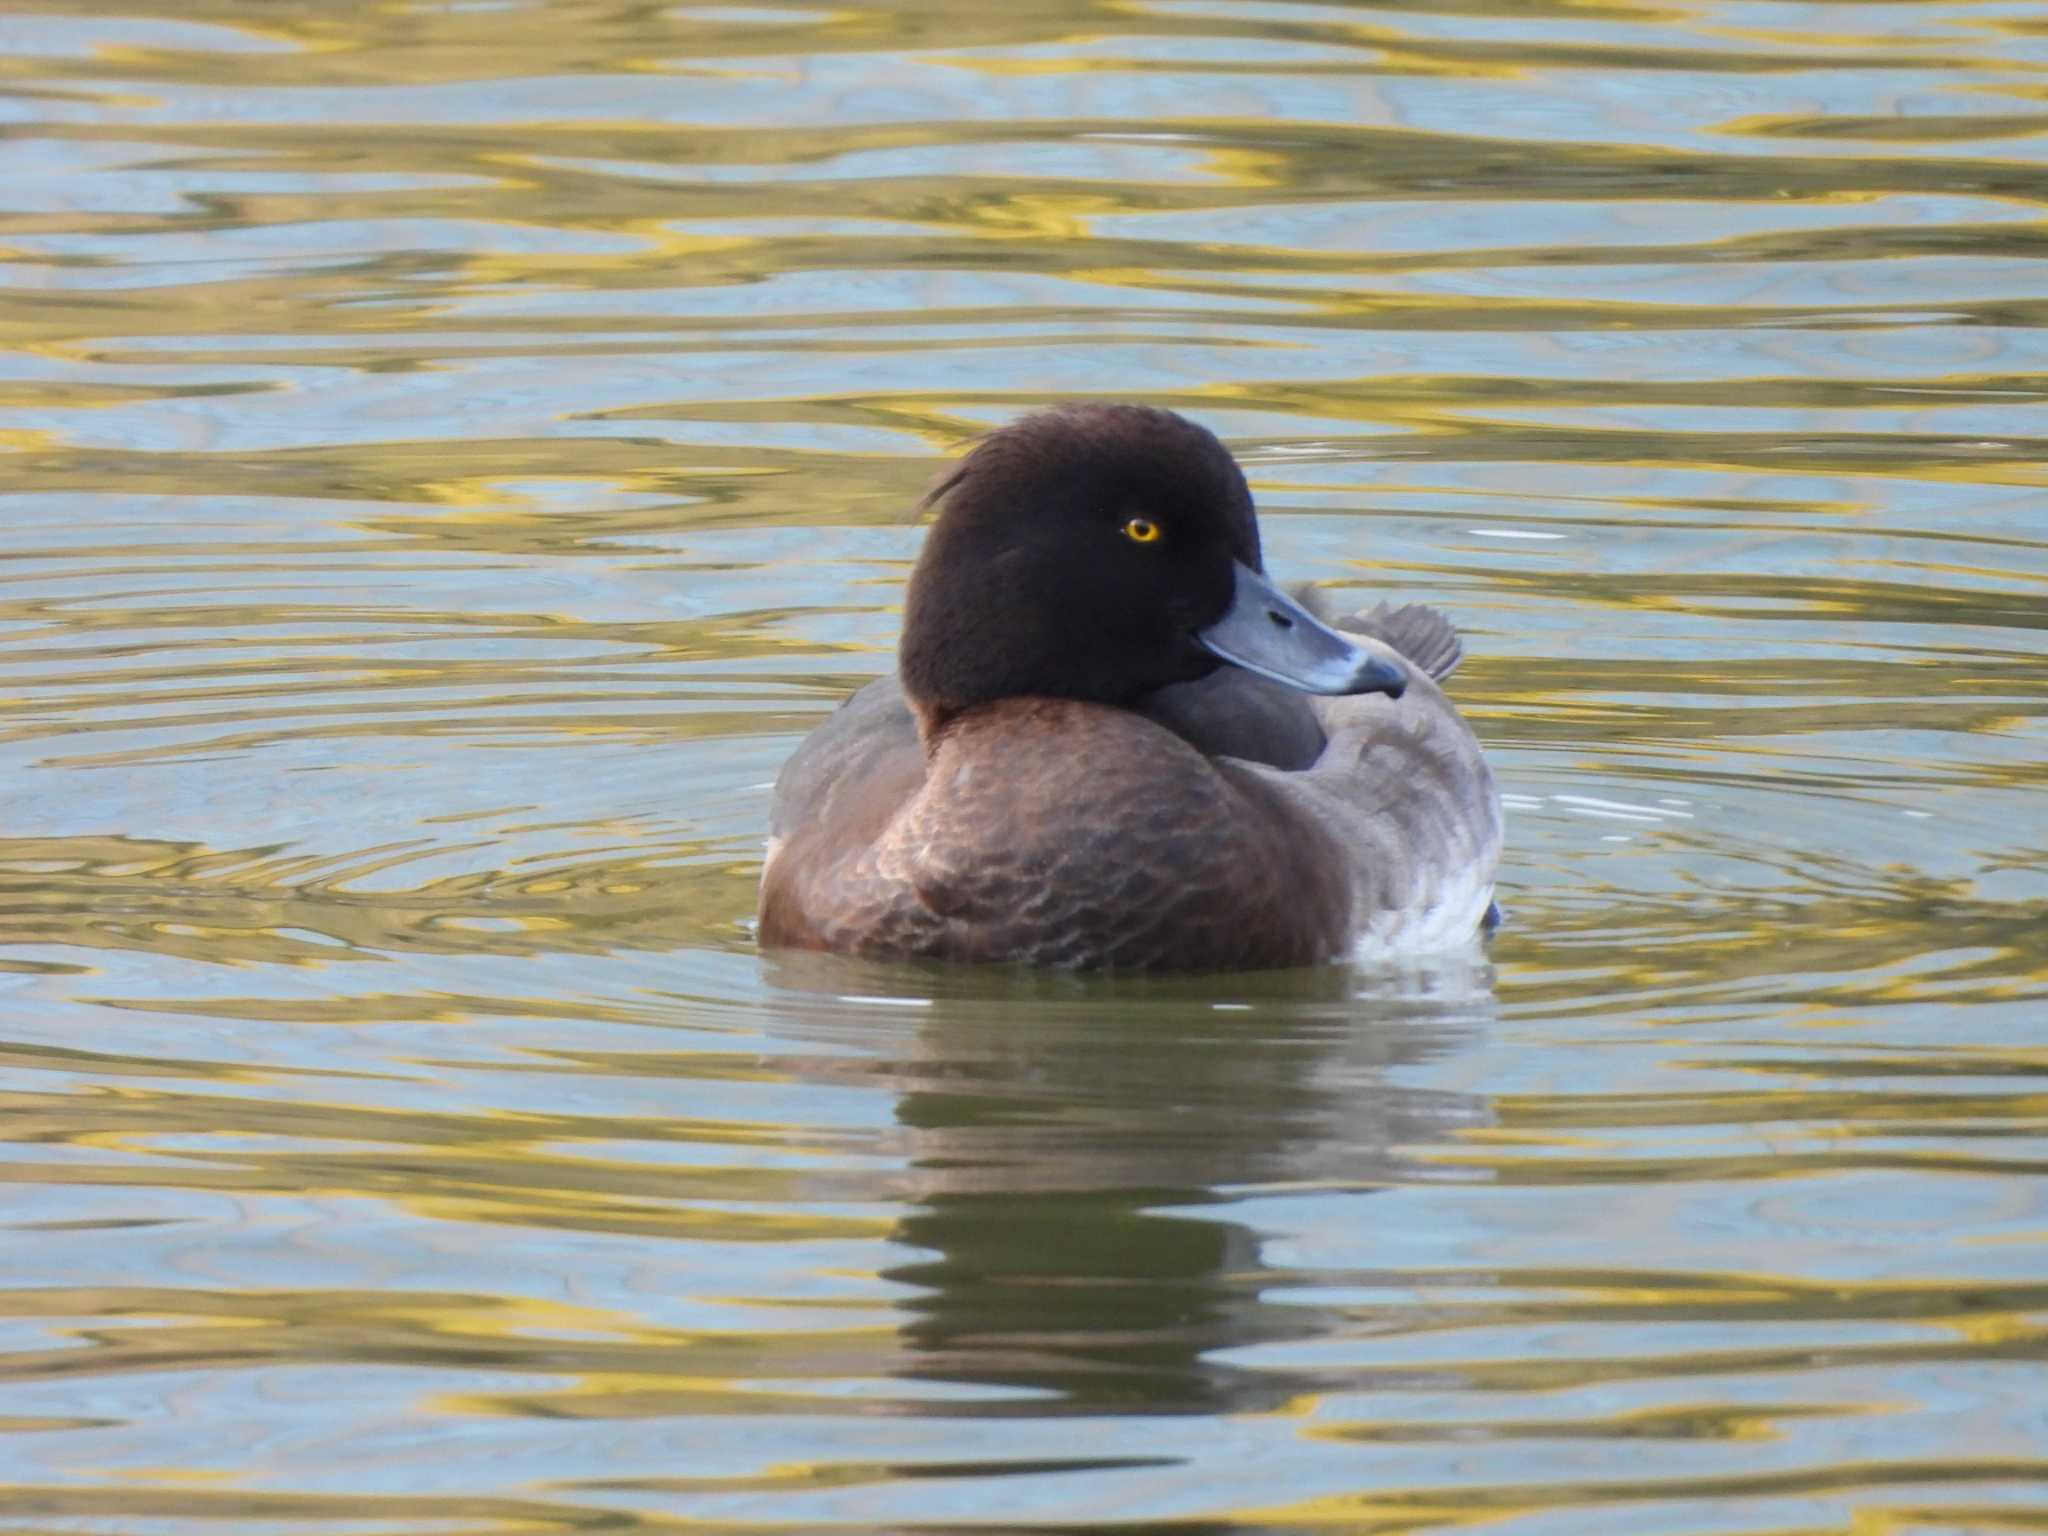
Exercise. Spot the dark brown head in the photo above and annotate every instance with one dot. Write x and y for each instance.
(1099, 552)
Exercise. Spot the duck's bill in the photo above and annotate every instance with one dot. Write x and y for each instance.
(1267, 632)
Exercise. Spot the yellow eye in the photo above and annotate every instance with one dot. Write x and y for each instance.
(1141, 530)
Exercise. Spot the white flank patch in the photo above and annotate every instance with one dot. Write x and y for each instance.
(1449, 921)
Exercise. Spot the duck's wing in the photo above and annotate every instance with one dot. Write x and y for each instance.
(870, 737)
(837, 793)
(1404, 789)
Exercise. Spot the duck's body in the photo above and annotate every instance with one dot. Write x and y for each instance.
(1170, 821)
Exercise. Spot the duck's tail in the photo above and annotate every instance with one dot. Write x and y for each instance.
(1419, 632)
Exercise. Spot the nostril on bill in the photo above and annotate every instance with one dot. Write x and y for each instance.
(1279, 618)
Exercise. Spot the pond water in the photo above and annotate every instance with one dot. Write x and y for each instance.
(451, 452)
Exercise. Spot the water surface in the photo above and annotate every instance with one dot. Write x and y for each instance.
(449, 454)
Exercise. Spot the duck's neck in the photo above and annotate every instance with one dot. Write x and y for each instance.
(933, 721)
(938, 724)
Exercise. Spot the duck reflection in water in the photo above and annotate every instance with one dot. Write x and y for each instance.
(1064, 1136)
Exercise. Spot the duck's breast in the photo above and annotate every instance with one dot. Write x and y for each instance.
(1058, 833)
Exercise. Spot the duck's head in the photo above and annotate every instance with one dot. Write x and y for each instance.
(1099, 552)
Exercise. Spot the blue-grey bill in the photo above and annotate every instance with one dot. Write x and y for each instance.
(1267, 632)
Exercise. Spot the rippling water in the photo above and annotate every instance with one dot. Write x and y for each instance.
(449, 453)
